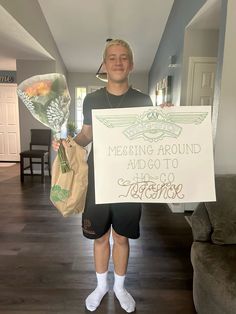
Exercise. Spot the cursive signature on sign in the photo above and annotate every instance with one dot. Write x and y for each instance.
(151, 190)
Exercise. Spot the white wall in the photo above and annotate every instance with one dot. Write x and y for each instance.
(225, 143)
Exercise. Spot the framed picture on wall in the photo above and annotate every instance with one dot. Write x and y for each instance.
(163, 91)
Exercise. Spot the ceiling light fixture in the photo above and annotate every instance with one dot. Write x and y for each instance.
(101, 72)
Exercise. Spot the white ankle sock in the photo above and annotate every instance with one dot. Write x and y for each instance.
(95, 298)
(126, 300)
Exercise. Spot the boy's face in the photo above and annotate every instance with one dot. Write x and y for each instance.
(117, 64)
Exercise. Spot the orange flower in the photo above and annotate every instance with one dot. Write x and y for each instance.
(39, 89)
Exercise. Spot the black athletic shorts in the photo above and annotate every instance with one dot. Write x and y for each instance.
(97, 219)
(124, 219)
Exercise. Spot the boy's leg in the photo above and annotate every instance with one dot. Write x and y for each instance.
(120, 255)
(101, 259)
(125, 222)
(101, 250)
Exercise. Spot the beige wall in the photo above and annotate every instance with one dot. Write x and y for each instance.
(29, 14)
(225, 143)
(7, 64)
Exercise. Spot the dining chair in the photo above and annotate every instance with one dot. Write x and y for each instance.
(38, 153)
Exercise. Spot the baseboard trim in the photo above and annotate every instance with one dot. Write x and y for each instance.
(37, 172)
(188, 219)
(182, 207)
(176, 207)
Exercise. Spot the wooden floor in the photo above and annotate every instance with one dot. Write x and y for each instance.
(46, 266)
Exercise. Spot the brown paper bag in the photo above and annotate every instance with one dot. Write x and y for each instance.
(68, 190)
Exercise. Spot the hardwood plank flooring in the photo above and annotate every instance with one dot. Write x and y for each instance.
(46, 266)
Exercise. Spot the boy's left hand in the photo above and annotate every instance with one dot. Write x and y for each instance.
(166, 104)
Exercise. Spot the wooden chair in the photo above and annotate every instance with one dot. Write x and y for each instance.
(39, 149)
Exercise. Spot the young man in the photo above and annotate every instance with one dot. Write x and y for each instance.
(120, 220)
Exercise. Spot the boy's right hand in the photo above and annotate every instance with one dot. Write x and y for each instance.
(56, 145)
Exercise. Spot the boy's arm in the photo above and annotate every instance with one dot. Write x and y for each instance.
(85, 136)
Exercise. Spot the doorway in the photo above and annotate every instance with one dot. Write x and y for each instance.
(201, 81)
(200, 53)
(9, 124)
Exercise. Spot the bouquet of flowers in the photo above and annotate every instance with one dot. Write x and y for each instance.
(48, 99)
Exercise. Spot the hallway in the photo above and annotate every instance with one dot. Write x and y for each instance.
(46, 265)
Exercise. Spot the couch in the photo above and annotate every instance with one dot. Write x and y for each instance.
(213, 252)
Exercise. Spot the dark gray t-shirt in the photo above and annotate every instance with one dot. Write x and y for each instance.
(101, 99)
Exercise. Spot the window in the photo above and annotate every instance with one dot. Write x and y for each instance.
(80, 93)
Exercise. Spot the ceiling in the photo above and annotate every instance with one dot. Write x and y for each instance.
(208, 17)
(16, 42)
(80, 29)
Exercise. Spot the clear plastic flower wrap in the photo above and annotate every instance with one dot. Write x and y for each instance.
(48, 99)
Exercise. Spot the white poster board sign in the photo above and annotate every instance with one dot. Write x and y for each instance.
(149, 154)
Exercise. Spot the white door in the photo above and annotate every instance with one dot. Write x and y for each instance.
(201, 81)
(9, 124)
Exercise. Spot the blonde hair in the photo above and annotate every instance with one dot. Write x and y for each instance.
(122, 43)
